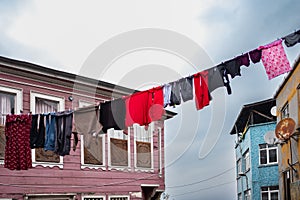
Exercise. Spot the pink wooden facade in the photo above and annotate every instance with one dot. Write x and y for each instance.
(72, 179)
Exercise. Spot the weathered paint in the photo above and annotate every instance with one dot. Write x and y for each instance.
(73, 179)
(289, 93)
(258, 175)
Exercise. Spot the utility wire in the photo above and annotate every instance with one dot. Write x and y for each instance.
(195, 191)
(184, 185)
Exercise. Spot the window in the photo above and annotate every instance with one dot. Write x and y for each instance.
(119, 198)
(143, 146)
(40, 103)
(93, 198)
(239, 196)
(10, 102)
(247, 160)
(92, 147)
(118, 149)
(270, 193)
(267, 154)
(285, 111)
(239, 166)
(248, 195)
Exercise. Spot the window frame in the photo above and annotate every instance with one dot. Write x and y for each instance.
(247, 194)
(81, 104)
(92, 166)
(93, 196)
(150, 129)
(18, 101)
(239, 166)
(269, 191)
(116, 132)
(285, 111)
(19, 96)
(61, 107)
(246, 158)
(118, 196)
(267, 149)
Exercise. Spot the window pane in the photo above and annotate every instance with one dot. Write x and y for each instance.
(273, 155)
(7, 106)
(263, 157)
(274, 195)
(264, 196)
(119, 152)
(143, 154)
(45, 106)
(93, 150)
(262, 146)
(274, 187)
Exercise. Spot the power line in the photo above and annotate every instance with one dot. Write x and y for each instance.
(184, 185)
(195, 191)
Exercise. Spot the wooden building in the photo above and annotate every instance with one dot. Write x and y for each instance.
(98, 172)
(288, 106)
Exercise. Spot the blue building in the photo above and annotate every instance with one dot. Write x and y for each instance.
(256, 160)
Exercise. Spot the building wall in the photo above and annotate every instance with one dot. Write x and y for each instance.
(262, 175)
(72, 178)
(257, 176)
(290, 149)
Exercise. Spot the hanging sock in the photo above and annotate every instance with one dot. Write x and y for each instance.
(186, 88)
(255, 55)
(167, 94)
(274, 59)
(37, 132)
(292, 39)
(243, 60)
(175, 94)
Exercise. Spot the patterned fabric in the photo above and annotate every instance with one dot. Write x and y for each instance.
(274, 59)
(17, 149)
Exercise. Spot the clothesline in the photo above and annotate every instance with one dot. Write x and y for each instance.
(138, 104)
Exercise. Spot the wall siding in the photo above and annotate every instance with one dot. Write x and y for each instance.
(73, 179)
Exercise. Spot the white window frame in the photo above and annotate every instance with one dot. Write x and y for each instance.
(18, 101)
(247, 160)
(61, 107)
(160, 161)
(94, 196)
(269, 191)
(240, 196)
(239, 166)
(19, 97)
(247, 194)
(267, 149)
(118, 196)
(111, 133)
(150, 131)
(82, 104)
(92, 166)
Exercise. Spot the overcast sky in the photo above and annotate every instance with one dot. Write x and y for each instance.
(147, 43)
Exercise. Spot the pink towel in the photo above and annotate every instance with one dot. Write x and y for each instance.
(274, 59)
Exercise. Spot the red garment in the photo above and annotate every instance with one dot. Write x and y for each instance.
(17, 148)
(156, 109)
(202, 96)
(137, 108)
(144, 107)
